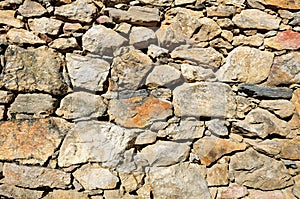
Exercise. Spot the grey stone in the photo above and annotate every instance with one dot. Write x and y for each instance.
(265, 91)
(146, 137)
(282, 108)
(45, 25)
(220, 43)
(182, 2)
(6, 97)
(193, 73)
(217, 127)
(31, 9)
(156, 51)
(2, 112)
(142, 37)
(11, 191)
(163, 75)
(65, 194)
(157, 2)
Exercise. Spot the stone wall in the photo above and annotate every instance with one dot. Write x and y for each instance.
(185, 99)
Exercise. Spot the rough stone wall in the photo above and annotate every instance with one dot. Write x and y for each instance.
(185, 99)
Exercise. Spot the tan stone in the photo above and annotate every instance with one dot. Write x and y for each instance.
(45, 25)
(66, 194)
(132, 181)
(296, 100)
(31, 9)
(194, 73)
(282, 108)
(21, 36)
(64, 44)
(220, 11)
(6, 97)
(7, 18)
(11, 191)
(234, 191)
(293, 5)
(290, 149)
(254, 40)
(257, 194)
(209, 29)
(2, 112)
(286, 40)
(217, 175)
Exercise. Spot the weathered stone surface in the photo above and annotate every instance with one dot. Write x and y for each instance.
(220, 11)
(7, 18)
(210, 149)
(217, 127)
(185, 178)
(255, 170)
(205, 99)
(31, 141)
(246, 64)
(45, 25)
(193, 73)
(256, 19)
(11, 191)
(257, 194)
(31, 9)
(254, 40)
(2, 112)
(165, 153)
(290, 149)
(163, 75)
(6, 97)
(139, 112)
(206, 57)
(218, 175)
(156, 51)
(293, 5)
(209, 29)
(29, 105)
(101, 40)
(157, 2)
(30, 70)
(79, 10)
(234, 191)
(35, 177)
(182, 2)
(141, 37)
(64, 44)
(70, 28)
(286, 40)
(95, 142)
(21, 36)
(66, 194)
(88, 72)
(266, 92)
(220, 43)
(296, 100)
(282, 108)
(80, 105)
(131, 182)
(146, 137)
(95, 177)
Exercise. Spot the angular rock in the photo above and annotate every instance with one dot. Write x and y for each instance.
(21, 36)
(286, 40)
(205, 99)
(139, 112)
(146, 137)
(296, 100)
(219, 43)
(87, 72)
(234, 191)
(290, 149)
(29, 70)
(245, 64)
(7, 18)
(64, 44)
(11, 191)
(156, 51)
(2, 112)
(45, 25)
(80, 105)
(257, 194)
(266, 92)
(270, 147)
(79, 11)
(31, 9)
(205, 57)
(182, 2)
(217, 175)
(35, 177)
(165, 153)
(157, 2)
(95, 177)
(292, 5)
(210, 148)
(217, 127)
(163, 75)
(31, 141)
(66, 194)
(209, 29)
(32, 105)
(254, 40)
(282, 108)
(193, 73)
(70, 28)
(101, 40)
(131, 182)
(6, 97)
(220, 11)
(258, 171)
(256, 19)
(141, 37)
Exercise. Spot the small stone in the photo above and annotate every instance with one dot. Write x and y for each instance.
(146, 137)
(254, 40)
(104, 20)
(290, 149)
(112, 194)
(45, 25)
(64, 44)
(6, 97)
(66, 194)
(265, 92)
(220, 43)
(11, 191)
(220, 11)
(7, 17)
(228, 35)
(21, 36)
(31, 9)
(277, 194)
(286, 40)
(124, 28)
(70, 28)
(163, 75)
(193, 73)
(234, 191)
(157, 2)
(217, 127)
(209, 29)
(141, 37)
(217, 175)
(296, 100)
(225, 23)
(2, 112)
(282, 108)
(182, 2)
(156, 51)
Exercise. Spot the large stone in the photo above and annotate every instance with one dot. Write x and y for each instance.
(35, 177)
(286, 40)
(11, 191)
(66, 194)
(291, 5)
(208, 29)
(210, 148)
(29, 70)
(217, 175)
(21, 36)
(290, 149)
(45, 25)
(258, 171)
(31, 9)
(139, 112)
(205, 99)
(282, 108)
(142, 37)
(193, 73)
(163, 75)
(81, 105)
(217, 127)
(246, 64)
(256, 19)
(101, 40)
(7, 18)
(79, 10)
(265, 92)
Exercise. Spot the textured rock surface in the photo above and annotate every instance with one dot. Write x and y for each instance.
(45, 25)
(286, 40)
(31, 9)
(20, 36)
(7, 18)
(266, 92)
(163, 75)
(11, 191)
(66, 194)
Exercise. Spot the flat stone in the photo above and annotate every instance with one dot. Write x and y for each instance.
(182, 2)
(205, 99)
(205, 57)
(31, 141)
(80, 105)
(66, 194)
(296, 100)
(265, 91)
(64, 44)
(277, 194)
(139, 112)
(220, 11)
(2, 112)
(253, 40)
(163, 75)
(157, 2)
(208, 29)
(256, 19)
(192, 73)
(217, 175)
(246, 64)
(142, 37)
(7, 17)
(282, 108)
(291, 5)
(29, 70)
(234, 191)
(220, 43)
(258, 171)
(102, 178)
(146, 137)
(32, 105)
(70, 28)
(45, 25)
(6, 97)
(31, 9)
(87, 72)
(286, 40)
(79, 11)
(290, 149)
(165, 153)
(101, 40)
(210, 148)
(217, 127)
(11, 191)
(21, 36)
(35, 177)
(132, 181)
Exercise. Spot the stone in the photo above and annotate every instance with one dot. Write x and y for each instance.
(246, 64)
(165, 153)
(29, 70)
(237, 3)
(45, 25)
(131, 182)
(139, 112)
(31, 141)
(217, 127)
(70, 28)
(192, 73)
(217, 175)
(146, 137)
(182, 2)
(31, 9)
(205, 57)
(79, 11)
(296, 100)
(292, 5)
(64, 44)
(156, 51)
(269, 147)
(66, 194)
(163, 75)
(282, 108)
(285, 69)
(258, 171)
(210, 148)
(254, 40)
(220, 11)
(285, 40)
(208, 29)
(2, 112)
(94, 141)
(205, 100)
(220, 43)
(7, 18)
(81, 105)
(265, 91)
(6, 97)
(92, 176)
(142, 37)
(21, 36)
(185, 178)
(225, 23)
(256, 19)
(11, 191)
(234, 191)
(35, 177)
(32, 105)
(88, 72)
(157, 2)
(228, 35)
(101, 40)
(290, 149)
(257, 194)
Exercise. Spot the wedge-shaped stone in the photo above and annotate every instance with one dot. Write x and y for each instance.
(282, 108)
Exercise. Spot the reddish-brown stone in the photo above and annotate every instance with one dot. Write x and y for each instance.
(286, 40)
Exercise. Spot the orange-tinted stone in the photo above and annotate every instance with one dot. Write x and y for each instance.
(286, 40)
(287, 4)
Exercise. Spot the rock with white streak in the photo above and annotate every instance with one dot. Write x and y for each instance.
(142, 37)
